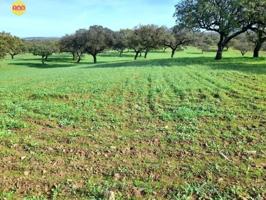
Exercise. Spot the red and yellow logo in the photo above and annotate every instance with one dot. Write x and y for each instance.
(18, 8)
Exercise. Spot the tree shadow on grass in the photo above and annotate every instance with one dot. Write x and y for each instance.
(195, 53)
(52, 62)
(55, 63)
(26, 59)
(50, 59)
(116, 55)
(44, 66)
(148, 63)
(61, 59)
(242, 64)
(90, 63)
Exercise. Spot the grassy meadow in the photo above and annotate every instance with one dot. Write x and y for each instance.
(183, 128)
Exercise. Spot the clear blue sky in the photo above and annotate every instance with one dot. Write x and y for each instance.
(59, 17)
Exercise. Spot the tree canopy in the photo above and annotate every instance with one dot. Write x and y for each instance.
(15, 46)
(121, 40)
(144, 38)
(11, 45)
(3, 45)
(43, 49)
(67, 44)
(229, 18)
(91, 41)
(177, 37)
(97, 39)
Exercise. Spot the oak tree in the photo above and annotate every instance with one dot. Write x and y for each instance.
(177, 37)
(228, 18)
(97, 39)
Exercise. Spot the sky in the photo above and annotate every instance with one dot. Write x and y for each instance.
(55, 18)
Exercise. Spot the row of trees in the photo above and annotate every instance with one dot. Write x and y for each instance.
(228, 18)
(141, 39)
(96, 39)
(144, 38)
(13, 46)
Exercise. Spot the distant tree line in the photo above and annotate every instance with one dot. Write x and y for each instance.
(210, 25)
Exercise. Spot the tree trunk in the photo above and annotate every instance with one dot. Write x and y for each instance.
(136, 55)
(257, 49)
(46, 58)
(94, 58)
(140, 54)
(43, 59)
(222, 43)
(173, 53)
(219, 54)
(79, 58)
(12, 56)
(120, 53)
(74, 56)
(146, 53)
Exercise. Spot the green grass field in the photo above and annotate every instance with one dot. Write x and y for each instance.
(182, 128)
